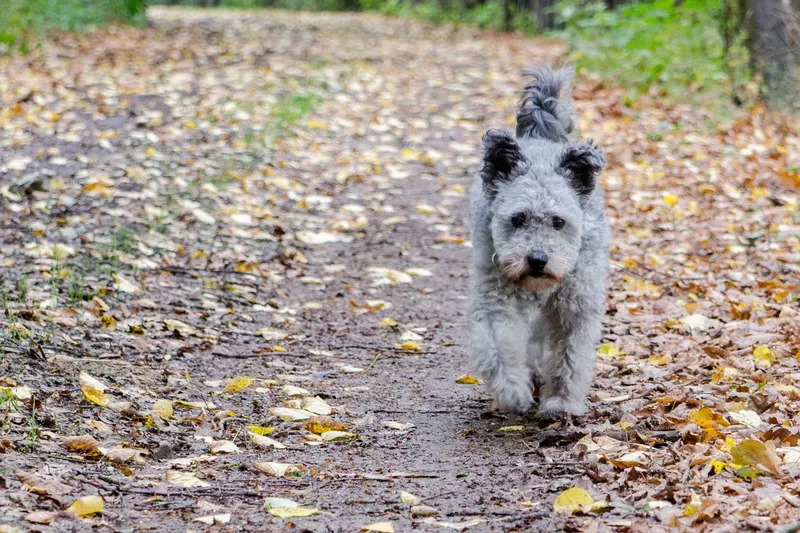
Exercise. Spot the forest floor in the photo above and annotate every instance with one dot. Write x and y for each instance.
(225, 223)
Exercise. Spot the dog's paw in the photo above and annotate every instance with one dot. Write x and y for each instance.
(555, 407)
(513, 397)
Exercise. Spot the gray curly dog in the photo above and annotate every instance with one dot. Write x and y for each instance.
(540, 258)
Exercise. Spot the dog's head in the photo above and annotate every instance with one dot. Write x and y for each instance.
(537, 195)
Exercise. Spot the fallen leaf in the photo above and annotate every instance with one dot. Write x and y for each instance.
(291, 390)
(184, 479)
(763, 357)
(41, 517)
(409, 499)
(379, 527)
(276, 469)
(85, 444)
(466, 379)
(93, 389)
(223, 446)
(86, 506)
(267, 442)
(124, 285)
(754, 453)
(238, 384)
(261, 430)
(573, 500)
(288, 414)
(331, 436)
(322, 424)
(42, 485)
(214, 520)
(317, 406)
(163, 408)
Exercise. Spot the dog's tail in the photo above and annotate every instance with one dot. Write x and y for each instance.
(544, 113)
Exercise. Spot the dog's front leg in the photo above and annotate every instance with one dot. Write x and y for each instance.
(498, 346)
(574, 327)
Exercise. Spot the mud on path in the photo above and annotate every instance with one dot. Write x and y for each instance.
(283, 198)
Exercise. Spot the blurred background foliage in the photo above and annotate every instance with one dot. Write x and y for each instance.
(705, 51)
(23, 22)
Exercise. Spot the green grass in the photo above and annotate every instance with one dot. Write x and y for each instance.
(676, 50)
(24, 22)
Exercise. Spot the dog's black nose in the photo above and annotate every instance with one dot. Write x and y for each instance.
(537, 261)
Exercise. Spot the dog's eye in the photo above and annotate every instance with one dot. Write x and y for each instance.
(558, 222)
(518, 220)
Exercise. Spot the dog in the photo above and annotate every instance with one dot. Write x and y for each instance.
(540, 256)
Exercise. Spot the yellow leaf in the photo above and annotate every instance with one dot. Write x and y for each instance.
(322, 424)
(718, 466)
(706, 418)
(261, 430)
(409, 153)
(413, 346)
(163, 408)
(86, 506)
(388, 323)
(671, 199)
(763, 357)
(573, 500)
(380, 527)
(466, 379)
(729, 443)
(609, 350)
(292, 512)
(660, 360)
(93, 389)
(511, 428)
(108, 322)
(238, 384)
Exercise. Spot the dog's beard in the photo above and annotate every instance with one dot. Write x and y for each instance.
(517, 271)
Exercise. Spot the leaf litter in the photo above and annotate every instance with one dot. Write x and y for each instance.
(231, 205)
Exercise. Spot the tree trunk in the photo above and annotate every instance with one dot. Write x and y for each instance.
(771, 50)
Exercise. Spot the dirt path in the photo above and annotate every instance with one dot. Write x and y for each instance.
(218, 189)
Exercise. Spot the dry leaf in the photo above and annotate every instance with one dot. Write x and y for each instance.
(267, 442)
(85, 444)
(93, 389)
(238, 384)
(163, 408)
(379, 527)
(88, 505)
(322, 424)
(185, 479)
(573, 500)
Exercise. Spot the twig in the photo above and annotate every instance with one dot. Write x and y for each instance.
(372, 363)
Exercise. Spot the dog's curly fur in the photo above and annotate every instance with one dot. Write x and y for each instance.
(540, 256)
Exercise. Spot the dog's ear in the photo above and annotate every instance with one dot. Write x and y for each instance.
(580, 164)
(501, 156)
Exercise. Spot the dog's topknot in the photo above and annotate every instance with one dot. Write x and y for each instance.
(543, 112)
